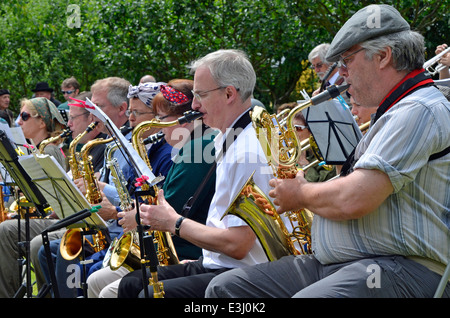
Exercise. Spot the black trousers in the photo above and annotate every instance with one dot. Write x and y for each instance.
(179, 281)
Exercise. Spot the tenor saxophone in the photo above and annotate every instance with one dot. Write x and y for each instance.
(282, 150)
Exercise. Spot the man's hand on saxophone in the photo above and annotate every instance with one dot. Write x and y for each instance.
(286, 192)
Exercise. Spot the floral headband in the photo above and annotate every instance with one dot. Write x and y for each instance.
(173, 96)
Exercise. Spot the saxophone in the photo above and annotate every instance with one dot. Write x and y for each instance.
(57, 139)
(127, 250)
(74, 160)
(71, 243)
(282, 150)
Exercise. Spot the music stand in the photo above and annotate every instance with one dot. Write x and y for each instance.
(66, 200)
(10, 161)
(334, 129)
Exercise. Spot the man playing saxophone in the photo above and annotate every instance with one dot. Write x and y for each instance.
(223, 86)
(186, 174)
(110, 94)
(390, 239)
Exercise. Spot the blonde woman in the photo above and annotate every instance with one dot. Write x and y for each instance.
(40, 119)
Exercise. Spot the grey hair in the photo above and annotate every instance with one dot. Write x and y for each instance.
(408, 49)
(116, 87)
(319, 51)
(229, 68)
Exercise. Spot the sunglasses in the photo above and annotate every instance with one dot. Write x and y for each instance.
(68, 92)
(25, 116)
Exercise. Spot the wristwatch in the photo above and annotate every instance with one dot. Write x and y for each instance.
(178, 225)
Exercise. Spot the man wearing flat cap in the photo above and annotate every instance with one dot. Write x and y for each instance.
(388, 238)
(43, 90)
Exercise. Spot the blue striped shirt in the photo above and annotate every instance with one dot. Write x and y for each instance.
(415, 219)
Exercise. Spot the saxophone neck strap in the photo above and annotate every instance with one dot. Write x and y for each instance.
(242, 122)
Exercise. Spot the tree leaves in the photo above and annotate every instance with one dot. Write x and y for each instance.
(40, 40)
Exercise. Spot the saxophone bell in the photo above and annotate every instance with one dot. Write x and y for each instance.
(282, 150)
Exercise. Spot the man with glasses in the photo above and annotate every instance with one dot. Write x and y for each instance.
(79, 119)
(382, 229)
(70, 87)
(317, 58)
(223, 87)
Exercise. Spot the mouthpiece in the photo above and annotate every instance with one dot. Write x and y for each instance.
(331, 92)
(91, 126)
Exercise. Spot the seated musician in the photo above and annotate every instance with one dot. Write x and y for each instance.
(39, 120)
(390, 237)
(190, 140)
(223, 86)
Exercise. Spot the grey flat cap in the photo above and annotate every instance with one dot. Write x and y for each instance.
(369, 22)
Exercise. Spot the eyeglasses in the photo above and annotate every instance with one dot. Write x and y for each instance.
(136, 113)
(343, 63)
(198, 95)
(25, 116)
(68, 92)
(317, 66)
(300, 127)
(73, 117)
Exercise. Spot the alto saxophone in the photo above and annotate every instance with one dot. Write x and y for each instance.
(127, 250)
(74, 160)
(71, 243)
(57, 139)
(282, 150)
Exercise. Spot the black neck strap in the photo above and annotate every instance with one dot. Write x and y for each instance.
(414, 80)
(242, 122)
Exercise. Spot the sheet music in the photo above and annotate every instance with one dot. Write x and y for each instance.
(15, 134)
(334, 129)
(139, 164)
(59, 190)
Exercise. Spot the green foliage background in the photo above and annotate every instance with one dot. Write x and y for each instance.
(49, 41)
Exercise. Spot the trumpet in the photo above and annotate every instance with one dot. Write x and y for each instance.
(433, 66)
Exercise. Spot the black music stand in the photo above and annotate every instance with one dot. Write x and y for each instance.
(10, 161)
(67, 202)
(334, 129)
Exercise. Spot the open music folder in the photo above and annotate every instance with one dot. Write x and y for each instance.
(59, 190)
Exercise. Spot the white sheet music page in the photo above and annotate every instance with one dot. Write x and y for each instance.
(140, 165)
